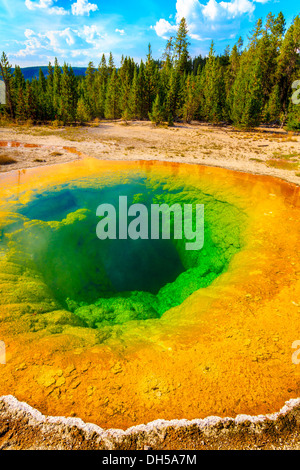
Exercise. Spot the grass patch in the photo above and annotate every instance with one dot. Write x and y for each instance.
(67, 133)
(289, 156)
(214, 146)
(7, 160)
(6, 122)
(289, 138)
(256, 160)
(73, 135)
(40, 131)
(56, 154)
(282, 164)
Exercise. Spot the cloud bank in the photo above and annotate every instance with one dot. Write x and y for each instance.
(204, 19)
(78, 8)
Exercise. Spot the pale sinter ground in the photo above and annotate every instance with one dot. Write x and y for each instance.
(269, 151)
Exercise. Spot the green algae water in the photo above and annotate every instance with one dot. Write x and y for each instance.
(107, 282)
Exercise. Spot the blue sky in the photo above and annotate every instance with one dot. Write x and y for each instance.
(34, 32)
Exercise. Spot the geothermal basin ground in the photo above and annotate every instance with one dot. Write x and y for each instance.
(93, 334)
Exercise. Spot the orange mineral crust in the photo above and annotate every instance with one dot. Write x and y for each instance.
(223, 349)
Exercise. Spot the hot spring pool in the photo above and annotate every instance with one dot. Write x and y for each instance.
(105, 282)
(120, 332)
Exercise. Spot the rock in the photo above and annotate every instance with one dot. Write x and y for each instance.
(23, 427)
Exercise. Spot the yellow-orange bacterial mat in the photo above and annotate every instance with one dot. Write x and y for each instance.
(126, 333)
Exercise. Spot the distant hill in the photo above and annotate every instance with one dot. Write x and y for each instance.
(33, 72)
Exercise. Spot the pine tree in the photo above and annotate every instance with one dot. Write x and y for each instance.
(49, 93)
(90, 84)
(181, 48)
(273, 107)
(165, 71)
(141, 90)
(230, 76)
(213, 89)
(248, 91)
(56, 87)
(41, 97)
(191, 99)
(20, 105)
(17, 92)
(247, 94)
(267, 51)
(83, 113)
(151, 82)
(103, 70)
(67, 102)
(111, 65)
(125, 81)
(135, 98)
(256, 34)
(30, 103)
(112, 110)
(171, 107)
(18, 83)
(100, 87)
(156, 116)
(167, 57)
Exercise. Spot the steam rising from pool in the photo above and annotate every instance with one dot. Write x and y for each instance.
(106, 282)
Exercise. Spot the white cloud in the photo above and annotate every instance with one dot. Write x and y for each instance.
(32, 44)
(194, 11)
(163, 27)
(238, 7)
(88, 41)
(58, 11)
(91, 35)
(212, 10)
(52, 41)
(40, 4)
(78, 8)
(189, 9)
(120, 31)
(203, 19)
(28, 33)
(83, 7)
(46, 5)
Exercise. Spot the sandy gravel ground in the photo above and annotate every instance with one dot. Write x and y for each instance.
(268, 151)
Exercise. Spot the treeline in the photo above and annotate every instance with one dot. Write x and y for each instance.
(245, 86)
